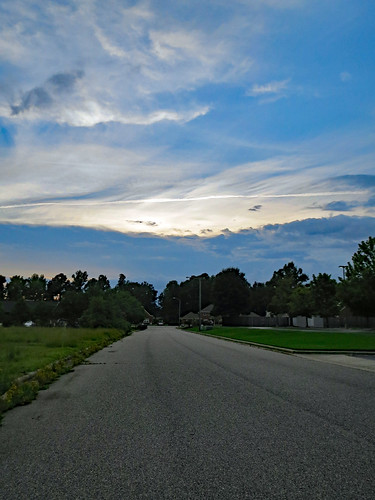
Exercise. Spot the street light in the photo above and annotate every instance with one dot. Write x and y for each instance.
(179, 309)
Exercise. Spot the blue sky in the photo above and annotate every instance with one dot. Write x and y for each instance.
(164, 139)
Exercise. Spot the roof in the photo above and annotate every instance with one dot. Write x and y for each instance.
(190, 315)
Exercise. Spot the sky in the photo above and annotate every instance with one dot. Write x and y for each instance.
(162, 139)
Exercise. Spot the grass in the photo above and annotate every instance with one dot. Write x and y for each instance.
(299, 339)
(47, 351)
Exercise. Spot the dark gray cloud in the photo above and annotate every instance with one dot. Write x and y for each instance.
(35, 98)
(255, 208)
(64, 82)
(45, 96)
(146, 222)
(364, 181)
(339, 206)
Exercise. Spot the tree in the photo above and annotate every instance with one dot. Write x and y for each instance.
(231, 293)
(57, 286)
(145, 293)
(260, 297)
(103, 282)
(15, 289)
(79, 280)
(2, 313)
(72, 306)
(357, 290)
(291, 272)
(121, 282)
(300, 302)
(20, 313)
(3, 281)
(169, 305)
(324, 296)
(44, 312)
(131, 309)
(283, 282)
(104, 311)
(35, 287)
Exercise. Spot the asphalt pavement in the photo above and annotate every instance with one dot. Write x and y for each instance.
(166, 414)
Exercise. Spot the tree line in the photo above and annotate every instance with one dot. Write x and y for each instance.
(92, 302)
(78, 301)
(289, 291)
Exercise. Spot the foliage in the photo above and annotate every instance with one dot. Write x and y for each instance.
(188, 293)
(324, 296)
(104, 311)
(260, 297)
(144, 292)
(289, 272)
(72, 306)
(21, 313)
(79, 280)
(3, 281)
(57, 286)
(15, 288)
(357, 290)
(231, 293)
(44, 312)
(283, 282)
(301, 302)
(35, 287)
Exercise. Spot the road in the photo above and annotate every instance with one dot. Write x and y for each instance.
(166, 414)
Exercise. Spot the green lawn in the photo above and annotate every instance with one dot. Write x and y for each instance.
(299, 339)
(24, 350)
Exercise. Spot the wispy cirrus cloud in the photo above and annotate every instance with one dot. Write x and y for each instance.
(125, 190)
(274, 87)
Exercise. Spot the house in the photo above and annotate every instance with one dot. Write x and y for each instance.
(190, 319)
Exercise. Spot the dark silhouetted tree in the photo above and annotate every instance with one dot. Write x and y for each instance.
(357, 290)
(324, 297)
(16, 288)
(231, 293)
(57, 286)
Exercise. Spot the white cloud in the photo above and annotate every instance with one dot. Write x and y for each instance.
(132, 192)
(345, 76)
(274, 87)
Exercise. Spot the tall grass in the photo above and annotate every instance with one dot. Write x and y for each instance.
(24, 350)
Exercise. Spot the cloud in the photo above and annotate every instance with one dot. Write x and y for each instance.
(47, 96)
(60, 100)
(345, 76)
(339, 206)
(147, 223)
(274, 87)
(131, 191)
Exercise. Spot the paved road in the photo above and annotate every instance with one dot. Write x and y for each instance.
(169, 414)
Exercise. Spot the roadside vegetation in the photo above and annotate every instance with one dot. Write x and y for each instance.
(32, 358)
(288, 293)
(299, 339)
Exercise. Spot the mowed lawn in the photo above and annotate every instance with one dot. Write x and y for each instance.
(300, 339)
(24, 350)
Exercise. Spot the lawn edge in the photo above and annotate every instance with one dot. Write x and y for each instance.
(288, 350)
(25, 389)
